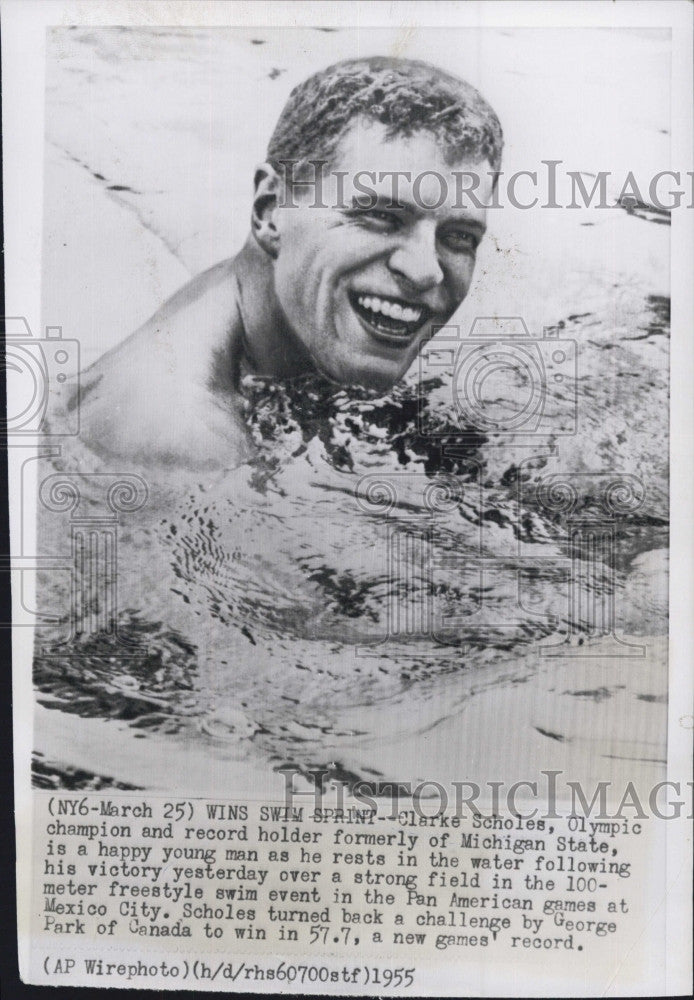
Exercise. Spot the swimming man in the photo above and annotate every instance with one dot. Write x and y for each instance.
(331, 281)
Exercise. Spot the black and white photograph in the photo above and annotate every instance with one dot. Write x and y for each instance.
(341, 455)
(387, 469)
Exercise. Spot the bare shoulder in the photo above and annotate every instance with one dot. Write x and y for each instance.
(149, 400)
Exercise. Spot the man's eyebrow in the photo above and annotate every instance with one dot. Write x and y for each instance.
(371, 199)
(468, 222)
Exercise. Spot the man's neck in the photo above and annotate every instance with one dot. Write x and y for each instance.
(269, 344)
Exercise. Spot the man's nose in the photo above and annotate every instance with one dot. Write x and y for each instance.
(416, 260)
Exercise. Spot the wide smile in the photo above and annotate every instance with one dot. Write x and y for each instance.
(392, 320)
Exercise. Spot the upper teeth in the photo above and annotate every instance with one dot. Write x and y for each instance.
(393, 309)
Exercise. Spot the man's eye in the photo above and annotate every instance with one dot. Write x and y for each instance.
(379, 217)
(382, 216)
(460, 240)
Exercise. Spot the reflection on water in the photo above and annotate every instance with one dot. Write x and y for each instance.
(367, 557)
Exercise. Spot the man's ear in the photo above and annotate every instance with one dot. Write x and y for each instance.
(265, 202)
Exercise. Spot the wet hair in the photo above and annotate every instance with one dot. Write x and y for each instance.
(405, 95)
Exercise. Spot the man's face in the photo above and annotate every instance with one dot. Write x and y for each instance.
(364, 287)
